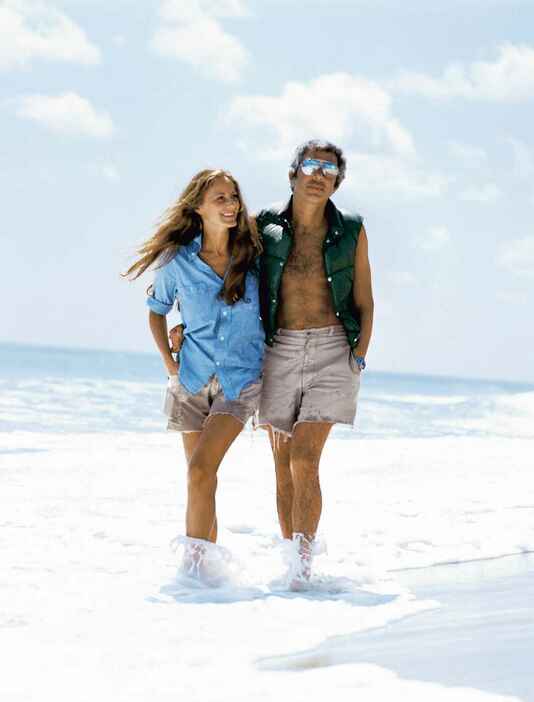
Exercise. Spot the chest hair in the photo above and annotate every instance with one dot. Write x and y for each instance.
(306, 256)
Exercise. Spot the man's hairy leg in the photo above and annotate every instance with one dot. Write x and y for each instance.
(281, 446)
(307, 443)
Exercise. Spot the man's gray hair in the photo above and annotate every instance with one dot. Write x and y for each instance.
(317, 145)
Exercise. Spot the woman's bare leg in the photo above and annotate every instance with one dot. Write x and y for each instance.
(190, 440)
(204, 452)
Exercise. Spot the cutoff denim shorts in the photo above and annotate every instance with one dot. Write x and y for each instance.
(309, 375)
(188, 412)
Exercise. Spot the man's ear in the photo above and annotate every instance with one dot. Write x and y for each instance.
(292, 179)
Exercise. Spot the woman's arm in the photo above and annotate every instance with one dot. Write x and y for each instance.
(158, 327)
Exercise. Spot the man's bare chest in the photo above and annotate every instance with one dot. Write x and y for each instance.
(306, 257)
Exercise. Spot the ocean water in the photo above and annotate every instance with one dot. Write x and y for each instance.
(44, 389)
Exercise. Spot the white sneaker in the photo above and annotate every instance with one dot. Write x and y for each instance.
(202, 561)
(299, 556)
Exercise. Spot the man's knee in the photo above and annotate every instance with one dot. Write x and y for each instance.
(307, 446)
(304, 462)
(284, 486)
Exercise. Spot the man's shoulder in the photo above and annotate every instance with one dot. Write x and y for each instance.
(270, 213)
(270, 223)
(350, 220)
(350, 216)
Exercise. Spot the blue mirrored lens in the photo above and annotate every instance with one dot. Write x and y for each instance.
(310, 165)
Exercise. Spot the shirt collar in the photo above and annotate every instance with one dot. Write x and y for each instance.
(195, 244)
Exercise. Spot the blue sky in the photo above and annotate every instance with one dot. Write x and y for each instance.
(108, 109)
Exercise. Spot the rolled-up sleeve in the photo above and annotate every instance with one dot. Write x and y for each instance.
(162, 292)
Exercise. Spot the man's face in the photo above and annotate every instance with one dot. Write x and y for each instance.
(316, 187)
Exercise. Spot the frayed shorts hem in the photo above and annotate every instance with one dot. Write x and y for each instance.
(285, 432)
(174, 426)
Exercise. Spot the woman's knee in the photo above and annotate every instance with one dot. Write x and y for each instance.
(201, 475)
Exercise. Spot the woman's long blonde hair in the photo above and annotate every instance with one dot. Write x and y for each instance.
(180, 224)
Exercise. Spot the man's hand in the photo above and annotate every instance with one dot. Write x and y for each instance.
(158, 327)
(172, 367)
(176, 338)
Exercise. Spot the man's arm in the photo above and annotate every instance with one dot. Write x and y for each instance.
(158, 327)
(176, 337)
(363, 293)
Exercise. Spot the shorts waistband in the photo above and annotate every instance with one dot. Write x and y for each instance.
(334, 330)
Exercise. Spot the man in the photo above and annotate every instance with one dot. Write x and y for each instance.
(317, 309)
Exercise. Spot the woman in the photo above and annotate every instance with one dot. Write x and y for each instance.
(206, 250)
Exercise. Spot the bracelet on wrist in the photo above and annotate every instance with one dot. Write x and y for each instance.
(360, 361)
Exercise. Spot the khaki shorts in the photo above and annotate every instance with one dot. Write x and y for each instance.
(187, 412)
(309, 375)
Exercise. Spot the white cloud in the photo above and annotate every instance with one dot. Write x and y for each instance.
(349, 110)
(189, 10)
(68, 113)
(523, 161)
(386, 176)
(192, 32)
(338, 106)
(32, 31)
(436, 239)
(509, 78)
(468, 155)
(518, 256)
(484, 193)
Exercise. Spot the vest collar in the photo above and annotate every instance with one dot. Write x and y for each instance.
(334, 218)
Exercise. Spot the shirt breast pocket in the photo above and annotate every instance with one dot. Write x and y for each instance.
(246, 314)
(196, 303)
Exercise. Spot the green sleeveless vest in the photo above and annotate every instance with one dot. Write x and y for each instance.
(339, 246)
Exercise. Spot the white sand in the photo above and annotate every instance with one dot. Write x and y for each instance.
(89, 605)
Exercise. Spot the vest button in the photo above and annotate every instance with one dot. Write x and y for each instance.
(329, 279)
(337, 314)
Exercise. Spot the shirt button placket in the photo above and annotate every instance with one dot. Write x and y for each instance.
(222, 336)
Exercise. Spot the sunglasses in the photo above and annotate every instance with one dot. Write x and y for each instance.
(327, 168)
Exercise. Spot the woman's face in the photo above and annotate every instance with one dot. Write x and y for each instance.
(220, 206)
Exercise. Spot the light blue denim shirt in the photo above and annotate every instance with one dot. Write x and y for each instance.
(219, 339)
